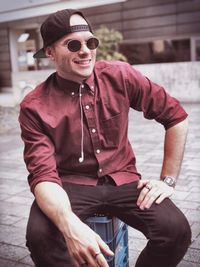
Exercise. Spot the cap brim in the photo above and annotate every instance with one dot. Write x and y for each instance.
(40, 54)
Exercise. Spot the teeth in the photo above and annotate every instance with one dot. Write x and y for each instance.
(82, 61)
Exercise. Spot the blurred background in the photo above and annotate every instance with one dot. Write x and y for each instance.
(160, 38)
(160, 33)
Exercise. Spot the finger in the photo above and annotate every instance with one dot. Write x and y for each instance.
(104, 247)
(142, 183)
(88, 257)
(151, 197)
(142, 196)
(97, 260)
(100, 259)
(165, 195)
(161, 198)
(79, 259)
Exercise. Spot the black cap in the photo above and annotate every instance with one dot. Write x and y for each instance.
(56, 26)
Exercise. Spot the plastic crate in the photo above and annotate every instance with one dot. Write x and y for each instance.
(115, 234)
(106, 227)
(119, 245)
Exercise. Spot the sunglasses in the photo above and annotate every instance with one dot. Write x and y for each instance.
(75, 45)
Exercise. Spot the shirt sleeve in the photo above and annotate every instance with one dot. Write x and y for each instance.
(38, 150)
(153, 100)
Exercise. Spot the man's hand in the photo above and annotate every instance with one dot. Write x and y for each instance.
(152, 191)
(84, 245)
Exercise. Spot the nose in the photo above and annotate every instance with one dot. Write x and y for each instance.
(84, 49)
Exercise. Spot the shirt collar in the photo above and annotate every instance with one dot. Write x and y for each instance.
(67, 85)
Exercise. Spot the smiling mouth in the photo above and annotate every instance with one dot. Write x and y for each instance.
(83, 62)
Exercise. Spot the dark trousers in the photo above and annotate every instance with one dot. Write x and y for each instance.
(165, 227)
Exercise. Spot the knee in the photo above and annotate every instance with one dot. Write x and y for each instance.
(40, 230)
(178, 232)
(37, 234)
(183, 232)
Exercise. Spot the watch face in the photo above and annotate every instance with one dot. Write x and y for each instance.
(169, 180)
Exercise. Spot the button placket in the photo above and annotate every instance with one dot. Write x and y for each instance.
(90, 117)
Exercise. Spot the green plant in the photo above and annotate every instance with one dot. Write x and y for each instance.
(109, 42)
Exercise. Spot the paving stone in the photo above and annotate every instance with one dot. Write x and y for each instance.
(27, 260)
(9, 263)
(194, 215)
(196, 243)
(14, 253)
(12, 235)
(193, 255)
(188, 264)
(193, 197)
(195, 230)
(147, 139)
(7, 219)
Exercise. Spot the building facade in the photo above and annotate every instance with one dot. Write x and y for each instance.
(154, 31)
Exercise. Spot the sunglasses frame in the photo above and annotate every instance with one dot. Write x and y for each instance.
(80, 44)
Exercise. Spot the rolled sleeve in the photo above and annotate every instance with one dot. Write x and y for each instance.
(39, 152)
(153, 100)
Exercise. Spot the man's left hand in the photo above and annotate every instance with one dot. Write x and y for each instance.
(152, 191)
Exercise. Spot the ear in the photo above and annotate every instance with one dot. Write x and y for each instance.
(49, 52)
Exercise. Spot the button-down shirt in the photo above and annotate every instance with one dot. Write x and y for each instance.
(60, 118)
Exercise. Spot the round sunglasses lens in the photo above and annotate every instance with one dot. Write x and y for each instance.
(92, 43)
(74, 45)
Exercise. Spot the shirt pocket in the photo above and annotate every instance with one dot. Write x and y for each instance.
(113, 129)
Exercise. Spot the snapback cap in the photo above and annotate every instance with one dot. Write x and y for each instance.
(56, 26)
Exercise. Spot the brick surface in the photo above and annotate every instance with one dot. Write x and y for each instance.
(147, 139)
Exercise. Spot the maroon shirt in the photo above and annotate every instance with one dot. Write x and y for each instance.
(50, 120)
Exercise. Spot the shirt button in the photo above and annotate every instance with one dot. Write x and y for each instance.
(93, 130)
(82, 85)
(72, 93)
(100, 170)
(98, 151)
(87, 106)
(92, 87)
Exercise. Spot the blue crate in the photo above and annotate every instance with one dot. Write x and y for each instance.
(115, 234)
(105, 226)
(119, 245)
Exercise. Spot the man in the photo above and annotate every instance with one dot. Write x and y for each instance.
(74, 126)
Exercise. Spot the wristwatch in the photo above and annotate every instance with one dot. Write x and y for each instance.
(169, 180)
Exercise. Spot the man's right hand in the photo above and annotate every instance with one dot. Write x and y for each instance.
(84, 245)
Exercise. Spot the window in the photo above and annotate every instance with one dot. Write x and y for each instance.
(27, 43)
(158, 51)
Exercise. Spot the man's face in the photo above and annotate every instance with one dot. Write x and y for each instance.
(75, 66)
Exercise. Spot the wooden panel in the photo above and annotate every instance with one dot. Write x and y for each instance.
(3, 33)
(149, 11)
(151, 33)
(188, 17)
(5, 56)
(191, 28)
(5, 78)
(4, 48)
(187, 6)
(5, 66)
(5, 74)
(102, 9)
(105, 18)
(144, 3)
(149, 22)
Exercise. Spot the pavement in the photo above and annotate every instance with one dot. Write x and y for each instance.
(147, 137)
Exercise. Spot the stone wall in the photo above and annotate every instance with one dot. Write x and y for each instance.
(181, 80)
